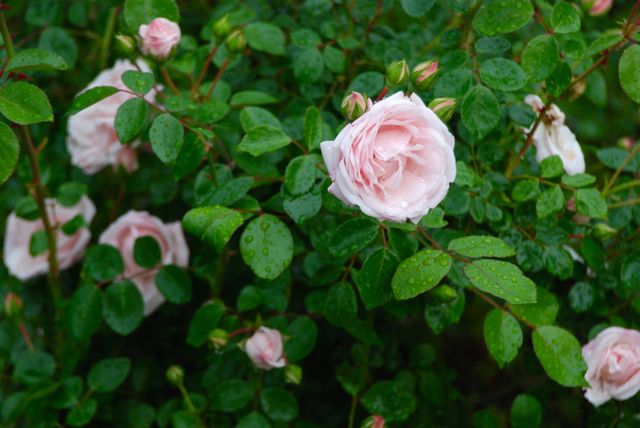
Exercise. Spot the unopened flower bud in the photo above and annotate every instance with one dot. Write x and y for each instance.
(397, 73)
(219, 338)
(423, 74)
(125, 45)
(12, 305)
(626, 143)
(603, 231)
(354, 105)
(597, 7)
(221, 28)
(235, 42)
(445, 293)
(175, 375)
(443, 107)
(373, 421)
(293, 374)
(571, 204)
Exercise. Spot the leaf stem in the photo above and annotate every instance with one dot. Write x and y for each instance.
(8, 43)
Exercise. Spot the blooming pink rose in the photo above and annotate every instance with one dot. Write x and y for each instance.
(70, 249)
(265, 349)
(159, 38)
(395, 162)
(553, 137)
(92, 140)
(613, 361)
(123, 233)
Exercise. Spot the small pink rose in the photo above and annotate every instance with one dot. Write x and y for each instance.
(395, 162)
(265, 349)
(598, 7)
(613, 361)
(70, 249)
(123, 233)
(159, 38)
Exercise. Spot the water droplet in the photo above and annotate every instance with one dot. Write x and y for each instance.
(265, 251)
(248, 239)
(412, 281)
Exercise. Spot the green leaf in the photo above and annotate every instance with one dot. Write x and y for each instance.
(139, 12)
(253, 420)
(480, 111)
(502, 74)
(440, 314)
(33, 367)
(123, 307)
(503, 16)
(36, 59)
(68, 394)
(308, 65)
(417, 8)
(334, 59)
(559, 352)
(302, 334)
(146, 251)
(481, 246)
(590, 202)
(130, 119)
(420, 273)
(581, 297)
(340, 305)
(352, 236)
(265, 37)
(39, 243)
(279, 404)
(69, 194)
(542, 312)
(540, 57)
(25, 104)
(203, 322)
(82, 414)
(390, 400)
(526, 412)
(578, 180)
(228, 192)
(167, 137)
(550, 202)
(374, 279)
(630, 271)
(604, 42)
(560, 79)
(231, 395)
(83, 313)
(301, 208)
(174, 284)
(503, 336)
(249, 298)
(313, 128)
(90, 97)
(501, 279)
(251, 117)
(138, 81)
(301, 173)
(59, 41)
(266, 246)
(108, 374)
(263, 139)
(565, 18)
(525, 190)
(551, 167)
(103, 262)
(214, 224)
(9, 152)
(252, 98)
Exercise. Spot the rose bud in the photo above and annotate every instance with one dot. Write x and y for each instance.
(175, 375)
(293, 374)
(597, 7)
(571, 204)
(354, 105)
(397, 73)
(219, 338)
(125, 45)
(373, 421)
(443, 107)
(612, 358)
(603, 231)
(159, 38)
(445, 293)
(626, 143)
(423, 74)
(221, 28)
(235, 42)
(265, 349)
(12, 305)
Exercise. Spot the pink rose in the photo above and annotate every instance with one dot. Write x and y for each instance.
(613, 361)
(265, 349)
(123, 233)
(92, 140)
(395, 162)
(70, 249)
(553, 137)
(159, 38)
(597, 7)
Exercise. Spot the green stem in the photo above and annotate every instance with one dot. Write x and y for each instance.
(627, 203)
(624, 186)
(8, 43)
(105, 46)
(621, 167)
(187, 399)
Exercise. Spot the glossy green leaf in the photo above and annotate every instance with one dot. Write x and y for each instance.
(503, 336)
(501, 279)
(123, 307)
(167, 137)
(266, 246)
(25, 104)
(481, 246)
(130, 119)
(560, 354)
(214, 224)
(420, 273)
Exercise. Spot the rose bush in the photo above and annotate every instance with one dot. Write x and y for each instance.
(362, 213)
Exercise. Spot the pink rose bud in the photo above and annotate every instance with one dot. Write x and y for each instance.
(395, 162)
(424, 74)
(236, 42)
(443, 107)
(571, 204)
(70, 248)
(354, 105)
(397, 73)
(221, 28)
(626, 143)
(613, 362)
(12, 305)
(373, 421)
(123, 233)
(159, 38)
(597, 7)
(265, 349)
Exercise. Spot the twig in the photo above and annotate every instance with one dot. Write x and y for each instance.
(203, 72)
(621, 167)
(216, 79)
(528, 142)
(169, 81)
